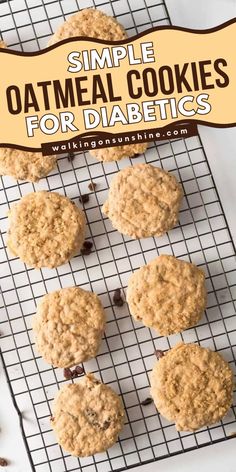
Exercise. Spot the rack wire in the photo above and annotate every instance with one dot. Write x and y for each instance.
(127, 353)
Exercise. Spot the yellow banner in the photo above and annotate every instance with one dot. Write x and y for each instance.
(91, 89)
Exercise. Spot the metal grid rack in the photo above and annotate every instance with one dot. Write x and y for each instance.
(127, 352)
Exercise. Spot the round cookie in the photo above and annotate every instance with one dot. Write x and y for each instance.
(87, 417)
(91, 23)
(167, 294)
(143, 201)
(118, 152)
(24, 165)
(192, 386)
(46, 229)
(96, 24)
(68, 326)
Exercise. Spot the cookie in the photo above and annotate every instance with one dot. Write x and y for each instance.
(46, 229)
(24, 165)
(87, 417)
(91, 23)
(192, 386)
(143, 201)
(167, 294)
(118, 152)
(96, 24)
(68, 326)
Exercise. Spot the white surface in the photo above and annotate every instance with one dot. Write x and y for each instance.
(219, 144)
(217, 458)
(11, 444)
(221, 150)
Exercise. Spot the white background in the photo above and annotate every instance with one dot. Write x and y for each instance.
(220, 146)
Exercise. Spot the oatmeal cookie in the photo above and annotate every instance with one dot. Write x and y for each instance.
(192, 386)
(118, 152)
(91, 23)
(143, 201)
(167, 294)
(96, 24)
(87, 417)
(46, 229)
(68, 326)
(25, 165)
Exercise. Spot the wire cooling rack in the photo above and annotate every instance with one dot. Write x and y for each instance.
(127, 353)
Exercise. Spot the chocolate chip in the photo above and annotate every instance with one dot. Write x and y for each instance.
(78, 370)
(3, 462)
(147, 401)
(92, 186)
(72, 374)
(117, 298)
(119, 302)
(87, 248)
(85, 252)
(93, 419)
(159, 353)
(106, 425)
(68, 374)
(137, 155)
(88, 244)
(52, 418)
(71, 156)
(84, 198)
(91, 413)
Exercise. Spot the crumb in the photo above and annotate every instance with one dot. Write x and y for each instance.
(3, 462)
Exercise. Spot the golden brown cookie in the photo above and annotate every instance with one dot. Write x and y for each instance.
(167, 294)
(68, 326)
(143, 201)
(87, 417)
(192, 386)
(91, 23)
(118, 152)
(96, 24)
(46, 229)
(24, 165)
